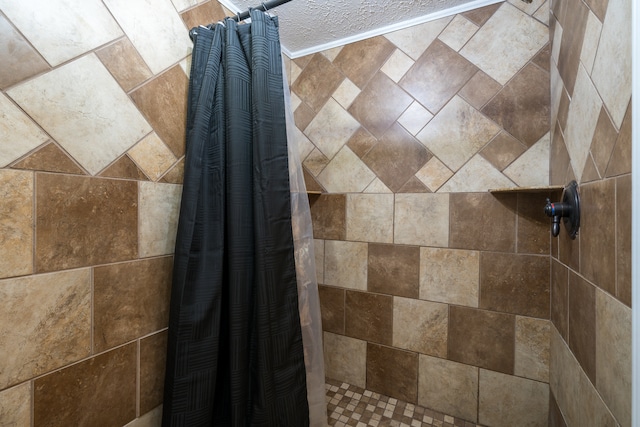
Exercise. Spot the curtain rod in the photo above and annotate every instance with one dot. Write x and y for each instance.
(263, 7)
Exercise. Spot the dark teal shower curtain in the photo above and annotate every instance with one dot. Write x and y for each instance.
(235, 353)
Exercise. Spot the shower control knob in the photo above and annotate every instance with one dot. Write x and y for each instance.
(568, 210)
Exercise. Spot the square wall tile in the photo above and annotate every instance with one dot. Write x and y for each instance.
(16, 223)
(477, 175)
(555, 415)
(450, 275)
(49, 158)
(150, 419)
(422, 219)
(582, 323)
(392, 372)
(393, 269)
(328, 216)
(317, 82)
(100, 391)
(345, 264)
(158, 213)
(153, 352)
(448, 387)
(458, 32)
(19, 133)
(532, 348)
(369, 317)
(345, 359)
(361, 60)
(420, 326)
(620, 162)
(623, 239)
(534, 236)
(416, 39)
(560, 298)
(370, 217)
(332, 308)
(15, 405)
(318, 252)
(153, 156)
(125, 63)
(19, 60)
(204, 13)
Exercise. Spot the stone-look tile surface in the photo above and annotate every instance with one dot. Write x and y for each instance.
(604, 139)
(620, 162)
(153, 351)
(623, 239)
(396, 157)
(303, 115)
(203, 14)
(560, 160)
(345, 359)
(158, 213)
(361, 60)
(370, 217)
(19, 60)
(361, 142)
(450, 276)
(153, 156)
(346, 93)
(437, 75)
(592, 33)
(414, 185)
(319, 79)
(345, 264)
(15, 405)
(150, 419)
(16, 223)
(397, 65)
(420, 326)
(24, 134)
(582, 323)
(140, 20)
(163, 101)
(434, 174)
(415, 40)
(532, 168)
(555, 415)
(599, 7)
(474, 225)
(125, 168)
(175, 175)
(318, 252)
(332, 308)
(130, 300)
(477, 175)
(479, 89)
(49, 158)
(67, 24)
(458, 32)
(392, 372)
(330, 139)
(506, 42)
(414, 118)
(571, 41)
(328, 216)
(449, 387)
(507, 400)
(84, 221)
(369, 316)
(560, 298)
(457, 133)
(422, 219)
(346, 174)
(44, 324)
(482, 338)
(522, 106)
(513, 283)
(532, 348)
(125, 63)
(533, 224)
(94, 133)
(481, 15)
(377, 187)
(393, 269)
(100, 391)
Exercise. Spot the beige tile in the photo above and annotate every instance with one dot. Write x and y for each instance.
(503, 150)
(45, 323)
(318, 252)
(433, 174)
(370, 217)
(19, 60)
(420, 326)
(345, 359)
(422, 219)
(72, 28)
(614, 83)
(613, 355)
(346, 173)
(15, 406)
(397, 65)
(345, 264)
(590, 43)
(457, 133)
(141, 19)
(448, 387)
(158, 218)
(153, 156)
(507, 401)
(181, 5)
(532, 348)
(458, 32)
(331, 128)
(542, 14)
(377, 186)
(315, 162)
(450, 275)
(150, 419)
(526, 7)
(16, 223)
(414, 118)
(476, 176)
(125, 63)
(332, 53)
(304, 145)
(414, 40)
(531, 169)
(506, 42)
(91, 118)
(346, 93)
(19, 134)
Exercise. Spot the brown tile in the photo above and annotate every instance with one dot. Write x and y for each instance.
(328, 216)
(100, 391)
(15, 405)
(522, 106)
(414, 185)
(573, 26)
(582, 323)
(332, 308)
(604, 139)
(311, 183)
(559, 158)
(482, 338)
(394, 270)
(397, 157)
(361, 60)
(84, 221)
(533, 224)
(623, 241)
(555, 415)
(392, 372)
(153, 352)
(125, 64)
(49, 158)
(361, 142)
(125, 168)
(481, 15)
(560, 298)
(175, 175)
(563, 109)
(303, 61)
(483, 221)
(203, 14)
(420, 326)
(598, 233)
(369, 317)
(620, 162)
(517, 284)
(317, 82)
(543, 58)
(437, 75)
(16, 223)
(479, 89)
(590, 172)
(503, 150)
(598, 7)
(379, 104)
(303, 116)
(163, 102)
(130, 300)
(569, 249)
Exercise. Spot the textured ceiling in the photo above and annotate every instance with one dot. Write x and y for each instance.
(307, 26)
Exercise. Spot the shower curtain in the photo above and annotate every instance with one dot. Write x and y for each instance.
(242, 322)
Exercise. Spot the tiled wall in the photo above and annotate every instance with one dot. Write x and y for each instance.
(91, 156)
(591, 276)
(434, 290)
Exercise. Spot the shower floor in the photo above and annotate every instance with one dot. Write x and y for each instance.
(348, 405)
